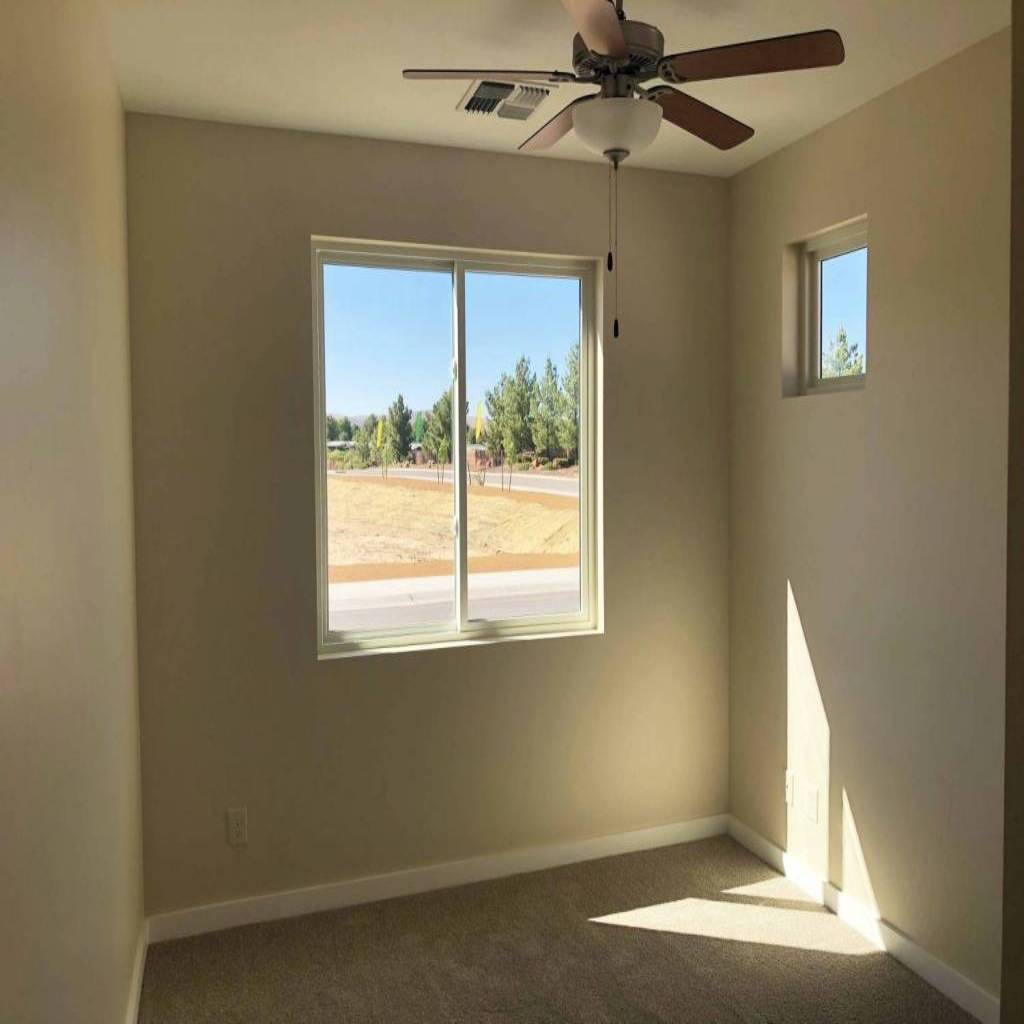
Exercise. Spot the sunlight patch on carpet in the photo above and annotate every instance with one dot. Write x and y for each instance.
(744, 922)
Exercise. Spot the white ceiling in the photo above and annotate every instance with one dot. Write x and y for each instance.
(335, 65)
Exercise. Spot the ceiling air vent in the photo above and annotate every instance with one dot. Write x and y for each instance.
(506, 100)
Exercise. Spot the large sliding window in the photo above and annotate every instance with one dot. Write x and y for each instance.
(457, 446)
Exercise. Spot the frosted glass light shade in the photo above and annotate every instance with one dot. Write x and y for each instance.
(617, 123)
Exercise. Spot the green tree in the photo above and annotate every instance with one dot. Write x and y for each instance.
(345, 431)
(369, 432)
(545, 412)
(516, 402)
(494, 435)
(366, 441)
(400, 429)
(333, 428)
(569, 418)
(841, 358)
(418, 429)
(437, 438)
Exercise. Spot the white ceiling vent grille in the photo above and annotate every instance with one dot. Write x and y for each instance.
(517, 102)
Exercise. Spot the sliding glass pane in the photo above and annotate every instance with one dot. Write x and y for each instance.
(523, 440)
(390, 490)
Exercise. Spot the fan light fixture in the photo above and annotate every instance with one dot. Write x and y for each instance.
(619, 55)
(617, 126)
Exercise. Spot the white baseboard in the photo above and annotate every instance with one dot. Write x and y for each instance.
(292, 903)
(964, 992)
(216, 916)
(131, 1014)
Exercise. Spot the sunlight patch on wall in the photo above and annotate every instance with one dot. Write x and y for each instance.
(781, 889)
(807, 749)
(857, 903)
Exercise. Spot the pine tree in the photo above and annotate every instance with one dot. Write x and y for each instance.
(840, 358)
(545, 412)
(437, 438)
(569, 420)
(516, 401)
(494, 436)
(400, 429)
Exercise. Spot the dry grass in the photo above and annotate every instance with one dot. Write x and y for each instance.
(379, 526)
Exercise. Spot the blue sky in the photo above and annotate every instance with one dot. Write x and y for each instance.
(390, 331)
(844, 284)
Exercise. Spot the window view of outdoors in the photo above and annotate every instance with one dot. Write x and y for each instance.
(390, 436)
(523, 439)
(390, 492)
(844, 303)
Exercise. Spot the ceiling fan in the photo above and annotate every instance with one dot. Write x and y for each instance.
(619, 55)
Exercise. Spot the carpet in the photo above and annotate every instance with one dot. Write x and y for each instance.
(702, 932)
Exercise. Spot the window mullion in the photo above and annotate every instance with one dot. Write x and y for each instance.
(459, 447)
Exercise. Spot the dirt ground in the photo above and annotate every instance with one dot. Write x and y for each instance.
(396, 528)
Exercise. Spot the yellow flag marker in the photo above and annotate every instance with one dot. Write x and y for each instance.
(479, 421)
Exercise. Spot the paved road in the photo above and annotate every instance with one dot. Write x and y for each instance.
(538, 482)
(385, 604)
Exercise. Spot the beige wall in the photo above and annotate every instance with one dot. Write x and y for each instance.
(1013, 902)
(884, 512)
(367, 765)
(70, 849)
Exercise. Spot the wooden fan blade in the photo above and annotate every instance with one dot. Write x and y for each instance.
(598, 23)
(784, 53)
(548, 134)
(699, 119)
(429, 74)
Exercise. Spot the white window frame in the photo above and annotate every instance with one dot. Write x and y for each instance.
(815, 251)
(463, 630)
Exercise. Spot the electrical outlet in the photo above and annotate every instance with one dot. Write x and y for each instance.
(238, 826)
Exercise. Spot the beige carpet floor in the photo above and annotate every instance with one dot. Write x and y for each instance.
(701, 933)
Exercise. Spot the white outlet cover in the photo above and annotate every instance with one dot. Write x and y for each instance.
(237, 826)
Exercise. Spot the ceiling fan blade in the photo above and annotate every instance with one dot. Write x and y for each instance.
(784, 53)
(548, 134)
(428, 74)
(597, 22)
(699, 119)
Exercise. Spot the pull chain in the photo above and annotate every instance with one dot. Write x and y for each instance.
(615, 180)
(613, 239)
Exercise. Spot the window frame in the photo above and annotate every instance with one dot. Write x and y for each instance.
(463, 631)
(837, 242)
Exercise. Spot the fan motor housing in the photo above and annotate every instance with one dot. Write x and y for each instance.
(646, 46)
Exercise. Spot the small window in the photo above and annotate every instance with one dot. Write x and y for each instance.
(456, 446)
(835, 280)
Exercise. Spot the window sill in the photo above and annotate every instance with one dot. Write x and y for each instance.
(357, 649)
(833, 385)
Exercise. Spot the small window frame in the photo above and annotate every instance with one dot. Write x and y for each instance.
(464, 631)
(836, 242)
